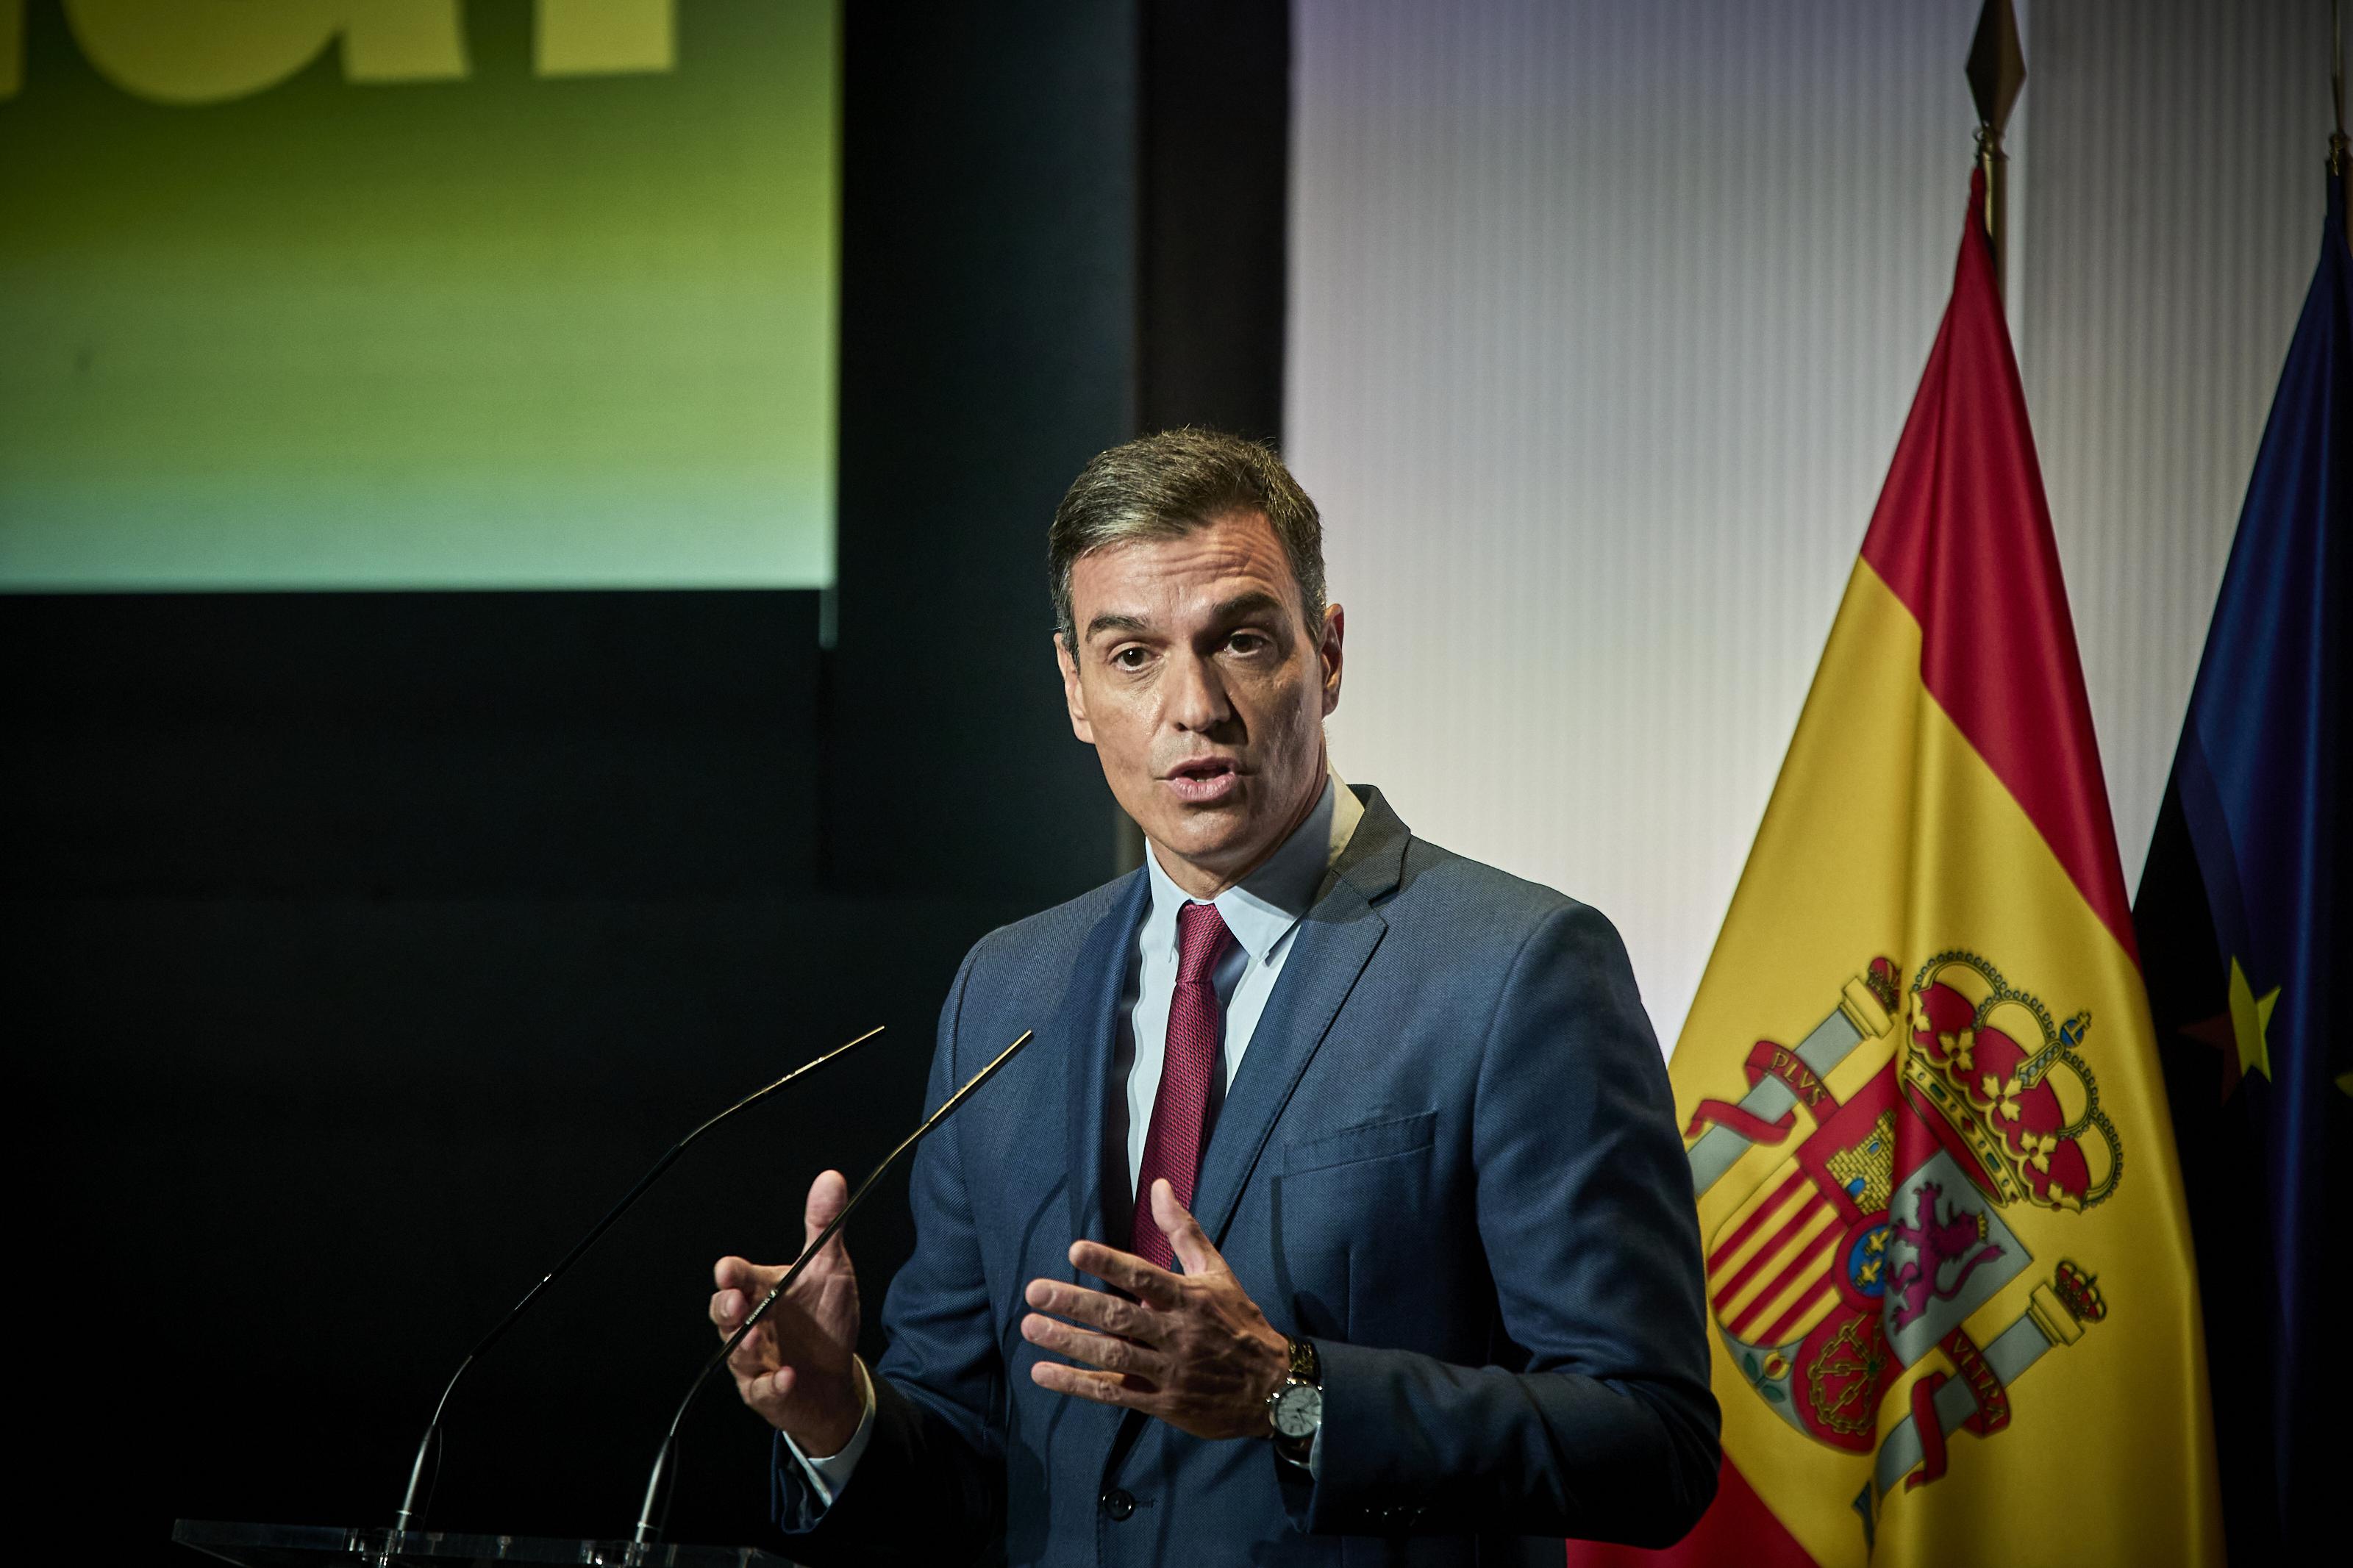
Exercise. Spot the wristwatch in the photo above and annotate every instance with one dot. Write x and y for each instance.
(1295, 1409)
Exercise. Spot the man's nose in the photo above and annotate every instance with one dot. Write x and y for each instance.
(1196, 699)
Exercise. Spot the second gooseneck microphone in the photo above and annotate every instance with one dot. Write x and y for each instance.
(645, 1531)
(406, 1518)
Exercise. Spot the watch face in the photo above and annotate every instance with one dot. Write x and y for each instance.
(1299, 1410)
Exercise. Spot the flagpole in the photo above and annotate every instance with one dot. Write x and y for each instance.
(2337, 140)
(2336, 85)
(1997, 69)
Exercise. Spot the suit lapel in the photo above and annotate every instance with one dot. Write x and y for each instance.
(1335, 941)
(1083, 1034)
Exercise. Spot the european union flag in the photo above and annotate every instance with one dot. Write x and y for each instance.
(2240, 939)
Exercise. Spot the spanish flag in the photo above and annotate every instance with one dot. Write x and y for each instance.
(1955, 1305)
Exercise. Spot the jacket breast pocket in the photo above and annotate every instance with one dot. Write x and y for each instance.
(1376, 1140)
(1344, 1205)
(1340, 1191)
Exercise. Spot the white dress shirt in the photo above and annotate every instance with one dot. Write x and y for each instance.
(1264, 911)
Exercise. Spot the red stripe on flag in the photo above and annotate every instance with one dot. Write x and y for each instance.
(1737, 1532)
(1962, 535)
(1755, 1333)
(1787, 1324)
(1765, 1210)
(1725, 1290)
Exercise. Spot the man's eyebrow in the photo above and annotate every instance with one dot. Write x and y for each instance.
(1241, 606)
(1115, 623)
(1258, 601)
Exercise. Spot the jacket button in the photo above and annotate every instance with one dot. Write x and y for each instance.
(1117, 1503)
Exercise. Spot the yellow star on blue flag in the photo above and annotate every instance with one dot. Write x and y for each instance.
(2251, 1017)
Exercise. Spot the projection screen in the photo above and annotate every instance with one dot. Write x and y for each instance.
(389, 294)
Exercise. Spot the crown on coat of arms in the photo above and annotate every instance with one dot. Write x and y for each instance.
(2079, 1293)
(1883, 983)
(2011, 1085)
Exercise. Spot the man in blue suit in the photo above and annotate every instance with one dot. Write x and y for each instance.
(1339, 1195)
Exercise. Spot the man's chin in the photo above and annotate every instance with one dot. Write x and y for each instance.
(1214, 837)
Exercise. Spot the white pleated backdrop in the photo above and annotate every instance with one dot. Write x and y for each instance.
(1604, 319)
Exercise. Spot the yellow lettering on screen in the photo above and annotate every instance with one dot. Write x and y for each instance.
(212, 51)
(403, 40)
(208, 51)
(600, 37)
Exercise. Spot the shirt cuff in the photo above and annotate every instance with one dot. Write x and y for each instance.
(828, 1475)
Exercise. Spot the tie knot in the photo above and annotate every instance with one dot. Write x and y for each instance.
(1202, 940)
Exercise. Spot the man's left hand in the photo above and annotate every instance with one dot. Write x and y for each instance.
(1191, 1349)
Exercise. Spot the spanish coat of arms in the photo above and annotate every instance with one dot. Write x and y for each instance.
(1881, 1232)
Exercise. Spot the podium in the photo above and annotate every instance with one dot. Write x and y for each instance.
(322, 1545)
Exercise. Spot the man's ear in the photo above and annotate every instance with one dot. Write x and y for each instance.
(1074, 695)
(1335, 628)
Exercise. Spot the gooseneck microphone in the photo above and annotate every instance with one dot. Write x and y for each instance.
(408, 1506)
(645, 1532)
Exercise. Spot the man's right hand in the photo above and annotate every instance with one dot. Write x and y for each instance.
(796, 1368)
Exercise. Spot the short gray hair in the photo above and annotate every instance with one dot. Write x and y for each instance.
(1166, 485)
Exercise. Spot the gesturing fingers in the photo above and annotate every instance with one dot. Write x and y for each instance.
(1146, 1282)
(727, 1310)
(1134, 1363)
(741, 1274)
(1093, 1307)
(739, 1284)
(1186, 1239)
(1191, 1349)
(1103, 1387)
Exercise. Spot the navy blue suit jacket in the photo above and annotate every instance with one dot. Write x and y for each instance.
(1449, 1157)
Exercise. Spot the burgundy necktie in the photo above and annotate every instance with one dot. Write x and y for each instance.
(1172, 1148)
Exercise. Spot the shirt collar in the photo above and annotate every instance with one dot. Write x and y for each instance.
(1261, 910)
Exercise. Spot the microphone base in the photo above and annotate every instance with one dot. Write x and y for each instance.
(316, 1545)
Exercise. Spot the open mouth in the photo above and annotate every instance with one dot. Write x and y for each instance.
(1203, 781)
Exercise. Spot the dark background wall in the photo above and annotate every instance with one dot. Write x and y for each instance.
(360, 948)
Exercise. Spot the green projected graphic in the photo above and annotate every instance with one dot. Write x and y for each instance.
(417, 293)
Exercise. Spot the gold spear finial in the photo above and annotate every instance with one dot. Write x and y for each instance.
(1997, 69)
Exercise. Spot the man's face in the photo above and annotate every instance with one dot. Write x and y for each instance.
(1197, 682)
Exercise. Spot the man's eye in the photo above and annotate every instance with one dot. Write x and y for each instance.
(1248, 642)
(1129, 658)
